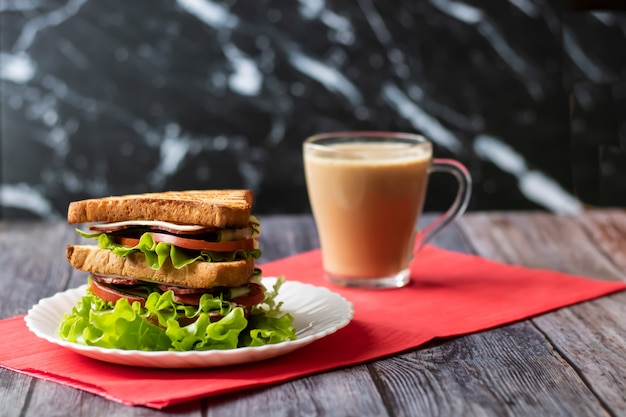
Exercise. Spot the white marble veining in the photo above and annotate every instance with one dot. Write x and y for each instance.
(17, 65)
(17, 68)
(421, 120)
(534, 184)
(586, 64)
(528, 7)
(115, 97)
(460, 11)
(23, 196)
(246, 79)
(211, 13)
(332, 79)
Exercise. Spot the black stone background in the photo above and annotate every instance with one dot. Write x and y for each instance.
(119, 86)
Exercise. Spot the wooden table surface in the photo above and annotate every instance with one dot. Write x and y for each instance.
(571, 362)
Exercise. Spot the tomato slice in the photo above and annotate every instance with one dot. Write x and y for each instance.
(194, 244)
(109, 294)
(254, 297)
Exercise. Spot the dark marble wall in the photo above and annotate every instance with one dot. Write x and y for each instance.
(113, 97)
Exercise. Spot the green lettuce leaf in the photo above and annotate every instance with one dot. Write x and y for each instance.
(91, 319)
(204, 335)
(264, 330)
(157, 253)
(156, 326)
(267, 324)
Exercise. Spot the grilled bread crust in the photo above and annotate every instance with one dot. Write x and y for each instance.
(219, 208)
(93, 259)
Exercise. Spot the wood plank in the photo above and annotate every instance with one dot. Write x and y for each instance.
(599, 323)
(607, 229)
(590, 336)
(53, 400)
(33, 262)
(509, 371)
(541, 240)
(14, 389)
(345, 392)
(283, 236)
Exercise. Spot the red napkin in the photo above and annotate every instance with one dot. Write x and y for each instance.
(451, 294)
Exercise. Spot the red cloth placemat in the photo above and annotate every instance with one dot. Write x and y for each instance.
(452, 294)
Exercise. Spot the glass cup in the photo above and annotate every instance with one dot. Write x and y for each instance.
(367, 191)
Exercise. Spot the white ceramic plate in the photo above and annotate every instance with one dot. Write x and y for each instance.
(317, 312)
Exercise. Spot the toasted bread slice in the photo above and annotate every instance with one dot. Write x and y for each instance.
(92, 259)
(219, 208)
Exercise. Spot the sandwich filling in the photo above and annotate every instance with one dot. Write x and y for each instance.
(112, 288)
(162, 241)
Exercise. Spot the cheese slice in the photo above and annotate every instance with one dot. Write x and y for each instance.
(152, 223)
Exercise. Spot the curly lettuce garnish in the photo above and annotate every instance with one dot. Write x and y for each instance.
(164, 324)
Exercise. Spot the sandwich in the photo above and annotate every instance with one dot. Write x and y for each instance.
(172, 271)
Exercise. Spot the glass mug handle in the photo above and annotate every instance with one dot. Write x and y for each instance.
(460, 203)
